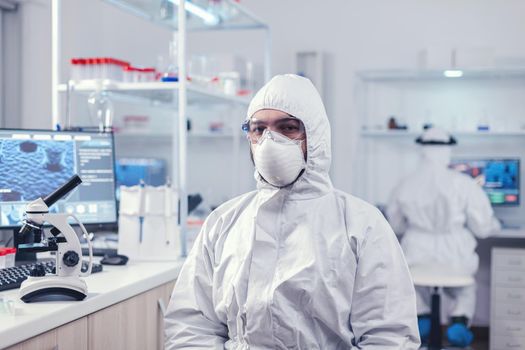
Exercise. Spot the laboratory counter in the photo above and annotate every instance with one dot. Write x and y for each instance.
(115, 296)
(515, 232)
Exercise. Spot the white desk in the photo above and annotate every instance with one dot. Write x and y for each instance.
(111, 286)
(511, 233)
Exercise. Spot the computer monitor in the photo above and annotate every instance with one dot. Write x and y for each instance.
(33, 163)
(500, 178)
(129, 171)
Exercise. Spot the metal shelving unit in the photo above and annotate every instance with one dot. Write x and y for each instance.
(165, 137)
(411, 134)
(231, 16)
(179, 16)
(439, 74)
(159, 92)
(373, 137)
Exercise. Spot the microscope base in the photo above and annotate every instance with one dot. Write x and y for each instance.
(53, 288)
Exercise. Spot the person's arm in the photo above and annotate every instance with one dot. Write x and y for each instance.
(383, 314)
(190, 320)
(394, 214)
(480, 216)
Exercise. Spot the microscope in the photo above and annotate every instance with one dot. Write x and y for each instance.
(66, 282)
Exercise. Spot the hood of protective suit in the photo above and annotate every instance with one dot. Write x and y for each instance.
(298, 97)
(438, 156)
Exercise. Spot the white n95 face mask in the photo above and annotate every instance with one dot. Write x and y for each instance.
(278, 159)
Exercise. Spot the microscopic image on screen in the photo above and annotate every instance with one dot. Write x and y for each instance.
(12, 215)
(498, 177)
(501, 174)
(32, 168)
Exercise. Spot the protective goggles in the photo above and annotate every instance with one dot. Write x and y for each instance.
(290, 127)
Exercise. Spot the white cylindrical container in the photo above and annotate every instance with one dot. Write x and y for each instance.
(76, 72)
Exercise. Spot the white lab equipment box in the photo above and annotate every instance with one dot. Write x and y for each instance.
(148, 223)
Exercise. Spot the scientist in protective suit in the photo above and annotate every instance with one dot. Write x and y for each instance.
(441, 212)
(295, 264)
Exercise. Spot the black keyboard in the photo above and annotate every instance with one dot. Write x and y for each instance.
(12, 277)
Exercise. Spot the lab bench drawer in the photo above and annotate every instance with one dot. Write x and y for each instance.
(515, 261)
(509, 278)
(508, 343)
(510, 328)
(509, 295)
(509, 312)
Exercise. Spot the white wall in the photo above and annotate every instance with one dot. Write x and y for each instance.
(35, 75)
(376, 34)
(359, 35)
(355, 35)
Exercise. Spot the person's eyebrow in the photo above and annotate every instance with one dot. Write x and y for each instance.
(287, 119)
(257, 122)
(284, 119)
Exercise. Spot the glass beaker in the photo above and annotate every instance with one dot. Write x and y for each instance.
(171, 72)
(101, 110)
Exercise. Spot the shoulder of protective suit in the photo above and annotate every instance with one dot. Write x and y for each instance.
(464, 178)
(361, 216)
(462, 181)
(358, 207)
(363, 221)
(228, 208)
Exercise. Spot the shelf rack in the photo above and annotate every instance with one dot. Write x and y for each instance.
(438, 74)
(371, 139)
(161, 92)
(179, 16)
(407, 133)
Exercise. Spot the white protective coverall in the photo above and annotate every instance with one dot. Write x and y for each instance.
(441, 212)
(301, 267)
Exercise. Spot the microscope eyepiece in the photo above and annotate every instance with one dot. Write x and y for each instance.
(25, 230)
(29, 227)
(60, 192)
(31, 232)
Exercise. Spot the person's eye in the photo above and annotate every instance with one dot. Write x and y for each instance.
(258, 129)
(289, 128)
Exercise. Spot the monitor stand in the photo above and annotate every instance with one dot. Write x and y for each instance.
(18, 239)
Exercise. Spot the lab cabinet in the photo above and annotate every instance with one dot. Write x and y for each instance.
(507, 329)
(70, 336)
(46, 341)
(135, 323)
